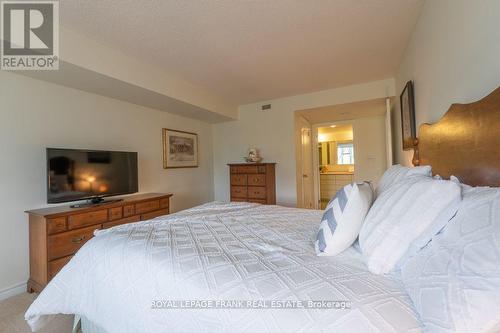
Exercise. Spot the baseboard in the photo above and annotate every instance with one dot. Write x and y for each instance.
(12, 291)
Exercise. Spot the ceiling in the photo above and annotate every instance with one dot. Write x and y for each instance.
(337, 129)
(253, 50)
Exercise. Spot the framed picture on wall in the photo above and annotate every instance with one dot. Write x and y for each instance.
(408, 116)
(180, 149)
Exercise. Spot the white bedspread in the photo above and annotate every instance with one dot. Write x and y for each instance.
(220, 251)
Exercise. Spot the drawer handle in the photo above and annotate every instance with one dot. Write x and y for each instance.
(77, 240)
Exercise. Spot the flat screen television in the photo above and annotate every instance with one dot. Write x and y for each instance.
(74, 174)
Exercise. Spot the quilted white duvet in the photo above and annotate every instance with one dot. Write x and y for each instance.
(220, 251)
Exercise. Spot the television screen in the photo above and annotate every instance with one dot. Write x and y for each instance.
(85, 174)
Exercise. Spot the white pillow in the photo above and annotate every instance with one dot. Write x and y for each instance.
(465, 187)
(343, 219)
(397, 172)
(454, 282)
(404, 218)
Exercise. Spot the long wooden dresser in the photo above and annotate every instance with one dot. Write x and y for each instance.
(253, 182)
(57, 233)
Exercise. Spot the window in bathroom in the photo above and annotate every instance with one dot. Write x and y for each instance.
(345, 153)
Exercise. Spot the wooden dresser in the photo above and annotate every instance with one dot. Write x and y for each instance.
(253, 182)
(57, 233)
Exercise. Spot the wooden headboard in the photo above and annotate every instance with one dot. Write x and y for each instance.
(464, 143)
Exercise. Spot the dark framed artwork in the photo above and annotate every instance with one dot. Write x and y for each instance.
(180, 149)
(408, 127)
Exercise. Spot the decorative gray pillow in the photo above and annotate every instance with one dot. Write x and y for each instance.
(343, 218)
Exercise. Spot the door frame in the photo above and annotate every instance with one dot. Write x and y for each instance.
(316, 180)
(303, 172)
(300, 123)
(388, 132)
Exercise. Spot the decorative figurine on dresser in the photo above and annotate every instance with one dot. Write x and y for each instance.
(253, 156)
(253, 181)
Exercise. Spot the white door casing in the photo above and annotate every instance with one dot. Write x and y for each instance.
(307, 176)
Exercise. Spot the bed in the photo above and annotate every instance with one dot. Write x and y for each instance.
(222, 251)
(176, 273)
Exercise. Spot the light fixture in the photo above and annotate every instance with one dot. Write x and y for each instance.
(333, 126)
(91, 180)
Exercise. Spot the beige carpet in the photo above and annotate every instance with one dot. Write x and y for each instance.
(12, 317)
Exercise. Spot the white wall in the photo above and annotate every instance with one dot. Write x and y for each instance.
(273, 132)
(453, 57)
(35, 115)
(370, 148)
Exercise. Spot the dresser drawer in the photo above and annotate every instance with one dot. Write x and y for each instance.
(81, 220)
(256, 192)
(56, 225)
(164, 203)
(261, 201)
(257, 180)
(238, 192)
(115, 213)
(244, 169)
(67, 243)
(128, 210)
(238, 179)
(56, 265)
(129, 219)
(239, 200)
(261, 169)
(152, 215)
(147, 206)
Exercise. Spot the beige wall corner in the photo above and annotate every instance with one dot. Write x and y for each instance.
(273, 132)
(452, 57)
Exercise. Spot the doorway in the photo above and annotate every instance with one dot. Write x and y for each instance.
(335, 152)
(362, 155)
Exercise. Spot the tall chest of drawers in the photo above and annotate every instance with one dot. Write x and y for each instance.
(253, 182)
(57, 233)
